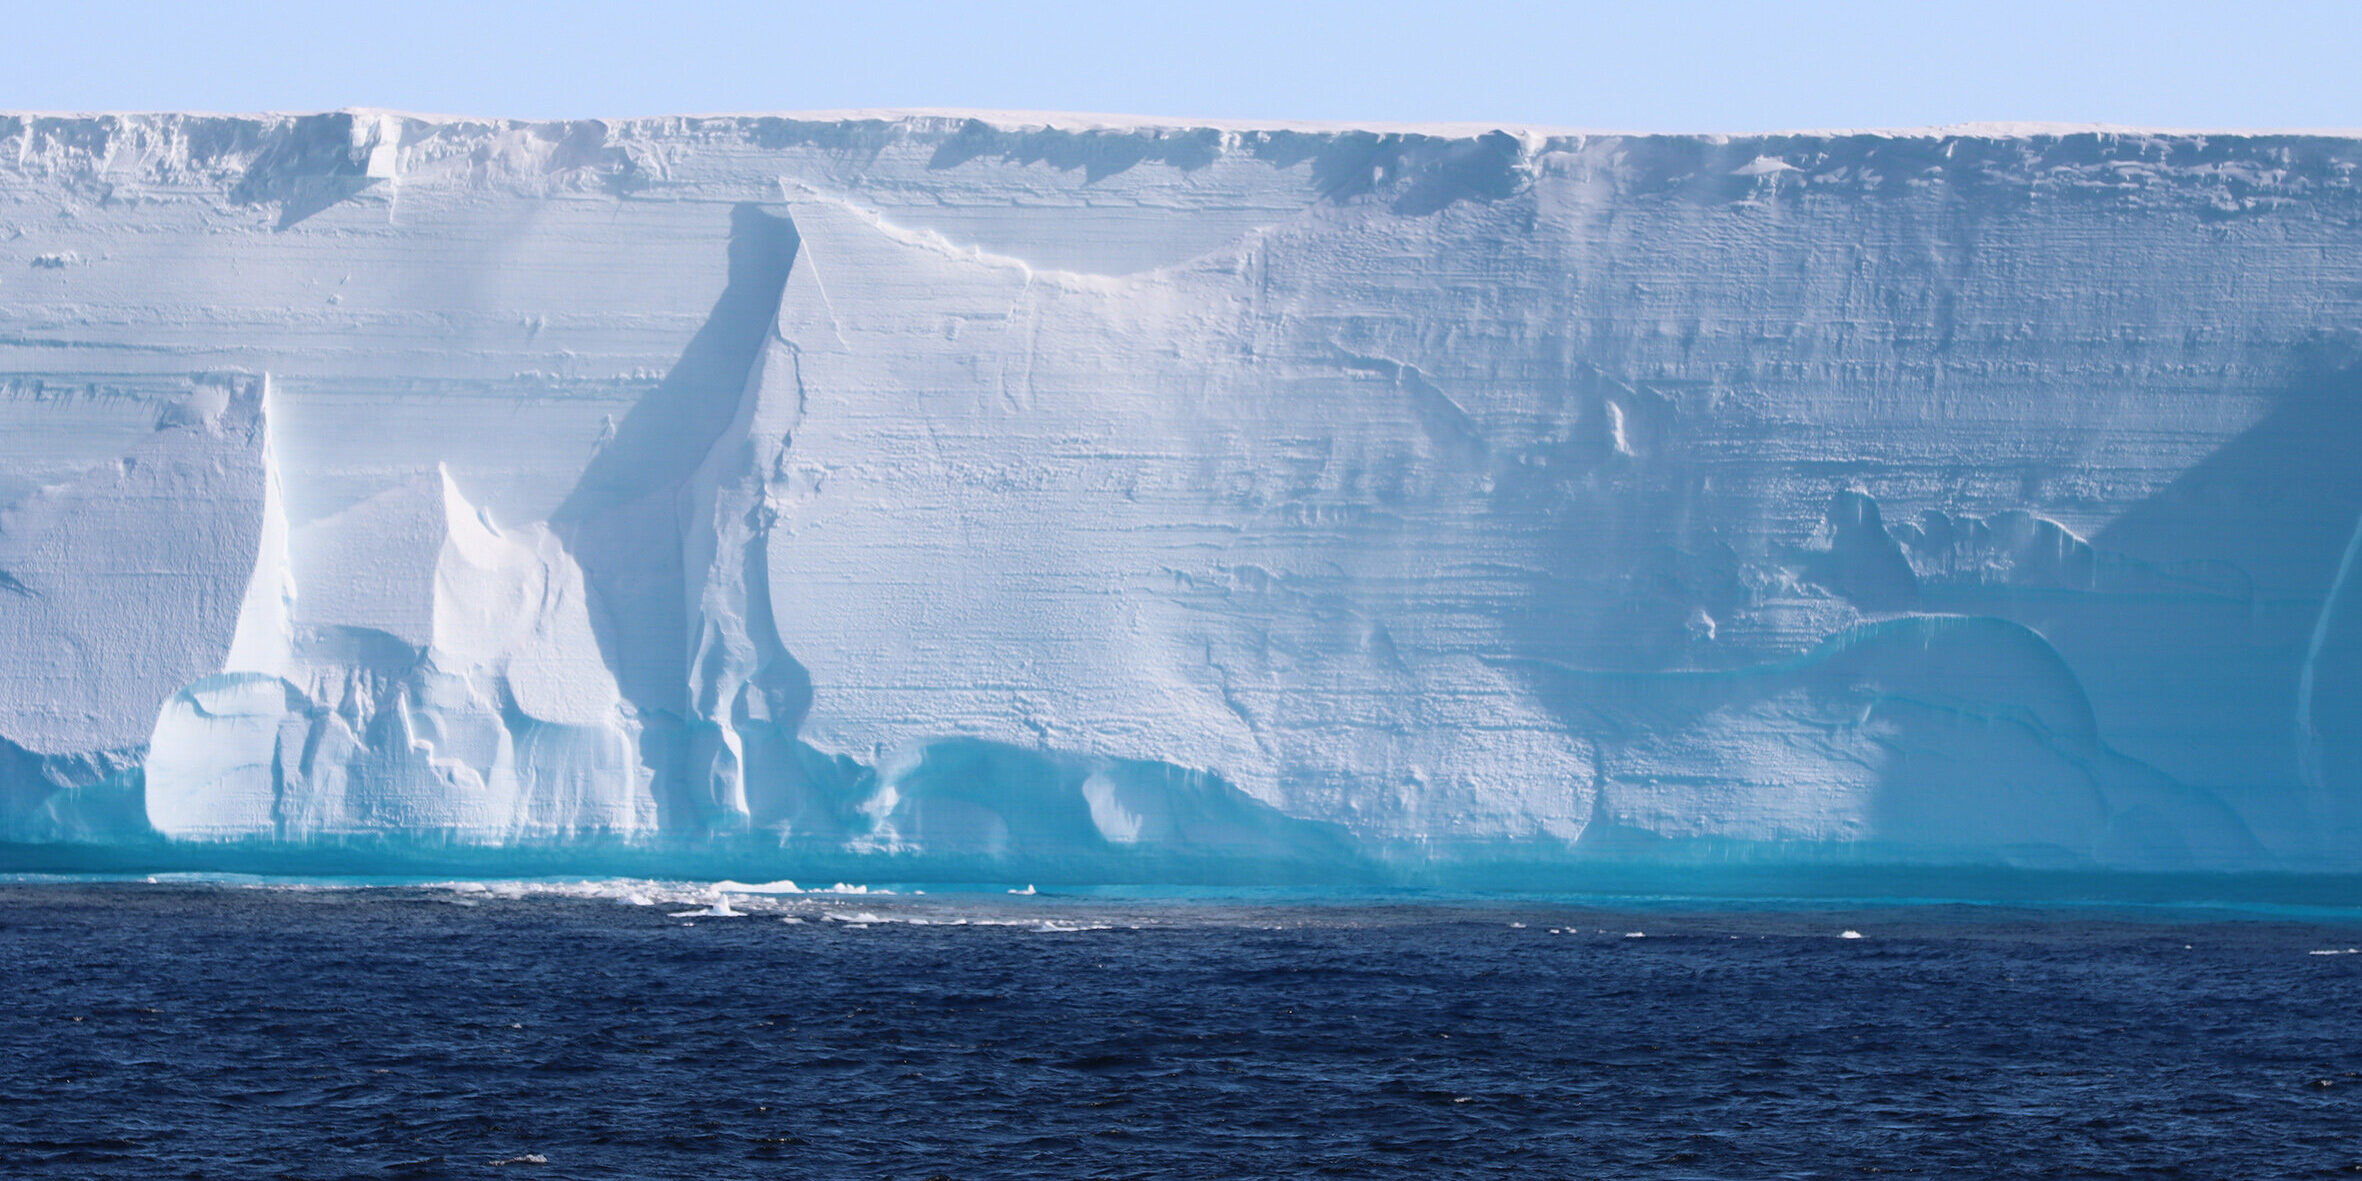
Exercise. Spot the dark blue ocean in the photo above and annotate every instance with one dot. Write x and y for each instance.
(272, 1031)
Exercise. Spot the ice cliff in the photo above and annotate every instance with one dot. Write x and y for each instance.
(936, 493)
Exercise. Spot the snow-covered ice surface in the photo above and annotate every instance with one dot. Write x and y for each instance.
(1067, 500)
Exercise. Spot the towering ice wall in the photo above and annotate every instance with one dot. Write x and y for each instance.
(943, 492)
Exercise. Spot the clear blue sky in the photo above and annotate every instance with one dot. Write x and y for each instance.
(1641, 64)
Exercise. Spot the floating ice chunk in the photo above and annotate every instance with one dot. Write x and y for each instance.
(720, 908)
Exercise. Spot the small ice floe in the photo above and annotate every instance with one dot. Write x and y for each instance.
(1517, 926)
(530, 1158)
(208, 879)
(2336, 951)
(782, 886)
(792, 920)
(1849, 933)
(859, 918)
(1027, 891)
(635, 898)
(1635, 934)
(720, 909)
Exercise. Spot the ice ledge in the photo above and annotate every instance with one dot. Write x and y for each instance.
(1269, 169)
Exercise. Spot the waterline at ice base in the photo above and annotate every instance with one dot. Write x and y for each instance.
(948, 497)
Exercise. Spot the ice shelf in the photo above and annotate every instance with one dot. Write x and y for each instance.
(1078, 500)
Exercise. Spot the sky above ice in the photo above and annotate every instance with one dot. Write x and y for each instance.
(1659, 65)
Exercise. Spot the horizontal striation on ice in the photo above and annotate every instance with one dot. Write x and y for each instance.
(121, 585)
(1041, 496)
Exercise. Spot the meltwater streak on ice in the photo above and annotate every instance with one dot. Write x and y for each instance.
(1159, 503)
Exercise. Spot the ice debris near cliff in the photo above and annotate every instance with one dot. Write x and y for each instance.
(962, 491)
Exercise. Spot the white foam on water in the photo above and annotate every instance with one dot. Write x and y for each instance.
(625, 891)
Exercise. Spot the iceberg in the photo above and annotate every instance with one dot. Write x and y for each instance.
(906, 496)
